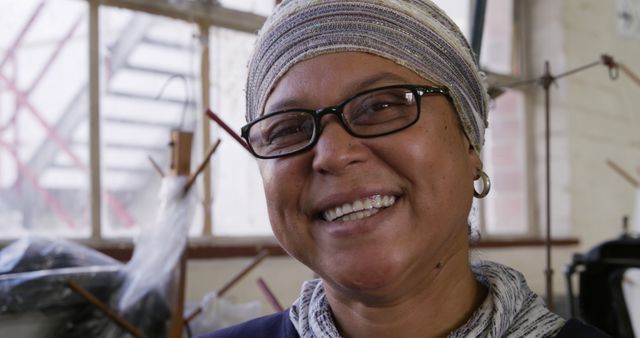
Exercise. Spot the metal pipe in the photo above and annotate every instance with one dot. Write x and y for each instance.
(94, 119)
(54, 55)
(547, 80)
(478, 27)
(112, 201)
(11, 50)
(49, 199)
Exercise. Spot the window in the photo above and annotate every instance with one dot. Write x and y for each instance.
(149, 68)
(150, 71)
(239, 207)
(44, 170)
(504, 212)
(505, 208)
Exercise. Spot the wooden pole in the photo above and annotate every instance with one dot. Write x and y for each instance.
(626, 175)
(114, 316)
(229, 284)
(181, 142)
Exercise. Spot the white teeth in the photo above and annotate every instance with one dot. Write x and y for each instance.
(358, 205)
(359, 209)
(347, 209)
(377, 201)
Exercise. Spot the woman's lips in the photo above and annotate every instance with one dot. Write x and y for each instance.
(358, 209)
(361, 221)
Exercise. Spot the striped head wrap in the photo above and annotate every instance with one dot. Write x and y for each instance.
(415, 34)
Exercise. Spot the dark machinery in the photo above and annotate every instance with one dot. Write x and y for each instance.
(601, 271)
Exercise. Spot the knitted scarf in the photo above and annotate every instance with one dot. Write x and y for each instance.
(511, 309)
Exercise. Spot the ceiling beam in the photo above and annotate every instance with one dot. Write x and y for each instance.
(208, 14)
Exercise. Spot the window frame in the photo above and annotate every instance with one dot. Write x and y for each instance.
(203, 18)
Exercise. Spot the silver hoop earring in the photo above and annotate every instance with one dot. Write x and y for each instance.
(486, 186)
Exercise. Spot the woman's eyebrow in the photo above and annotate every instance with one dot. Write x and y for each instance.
(290, 103)
(358, 85)
(386, 78)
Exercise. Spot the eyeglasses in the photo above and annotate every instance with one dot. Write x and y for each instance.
(372, 113)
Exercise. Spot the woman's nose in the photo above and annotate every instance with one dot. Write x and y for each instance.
(336, 149)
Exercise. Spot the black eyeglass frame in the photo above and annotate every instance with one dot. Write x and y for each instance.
(419, 91)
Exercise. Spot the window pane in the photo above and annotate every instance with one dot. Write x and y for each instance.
(505, 162)
(44, 170)
(460, 12)
(497, 40)
(149, 86)
(239, 207)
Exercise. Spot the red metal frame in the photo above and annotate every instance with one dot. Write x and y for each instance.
(50, 199)
(23, 101)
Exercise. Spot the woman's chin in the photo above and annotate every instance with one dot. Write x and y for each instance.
(364, 280)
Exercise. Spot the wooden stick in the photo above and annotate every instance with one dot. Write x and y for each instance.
(629, 73)
(256, 260)
(271, 298)
(193, 314)
(114, 316)
(623, 173)
(156, 166)
(609, 61)
(177, 321)
(226, 128)
(181, 152)
(192, 177)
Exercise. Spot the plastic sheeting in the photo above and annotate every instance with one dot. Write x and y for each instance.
(218, 313)
(34, 273)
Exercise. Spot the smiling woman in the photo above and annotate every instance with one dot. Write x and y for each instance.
(368, 118)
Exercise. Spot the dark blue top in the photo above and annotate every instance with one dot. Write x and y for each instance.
(279, 326)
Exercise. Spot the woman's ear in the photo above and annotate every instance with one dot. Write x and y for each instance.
(475, 163)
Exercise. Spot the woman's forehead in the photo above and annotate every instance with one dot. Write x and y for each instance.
(338, 75)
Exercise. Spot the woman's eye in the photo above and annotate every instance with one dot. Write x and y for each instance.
(282, 131)
(377, 111)
(376, 106)
(288, 133)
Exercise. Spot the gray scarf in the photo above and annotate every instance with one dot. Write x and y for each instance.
(510, 310)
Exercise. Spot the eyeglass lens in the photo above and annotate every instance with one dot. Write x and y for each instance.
(372, 113)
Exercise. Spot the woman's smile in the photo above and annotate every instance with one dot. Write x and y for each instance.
(359, 209)
(359, 217)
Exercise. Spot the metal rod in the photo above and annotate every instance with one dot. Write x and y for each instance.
(577, 70)
(546, 81)
(54, 55)
(537, 80)
(112, 201)
(16, 43)
(478, 27)
(51, 201)
(95, 179)
(115, 317)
